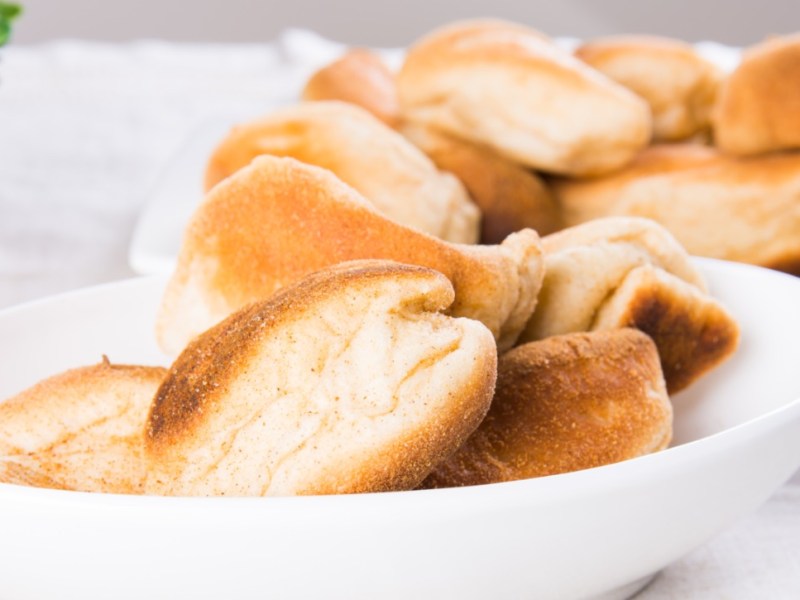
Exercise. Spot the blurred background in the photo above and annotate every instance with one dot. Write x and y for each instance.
(396, 23)
(92, 135)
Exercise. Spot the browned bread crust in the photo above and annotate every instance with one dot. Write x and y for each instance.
(759, 103)
(693, 332)
(350, 380)
(359, 77)
(509, 196)
(80, 430)
(566, 403)
(278, 220)
(631, 272)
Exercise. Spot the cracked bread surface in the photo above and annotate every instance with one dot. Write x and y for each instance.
(80, 430)
(351, 380)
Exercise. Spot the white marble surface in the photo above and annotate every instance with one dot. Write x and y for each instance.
(86, 128)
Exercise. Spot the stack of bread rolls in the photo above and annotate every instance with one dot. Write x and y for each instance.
(406, 280)
(624, 126)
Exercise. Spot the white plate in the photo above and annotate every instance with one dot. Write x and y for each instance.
(594, 533)
(159, 230)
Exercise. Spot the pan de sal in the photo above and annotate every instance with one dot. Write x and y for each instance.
(629, 272)
(741, 209)
(759, 103)
(80, 430)
(278, 219)
(693, 332)
(679, 85)
(350, 380)
(582, 200)
(359, 77)
(566, 403)
(510, 197)
(396, 177)
(512, 89)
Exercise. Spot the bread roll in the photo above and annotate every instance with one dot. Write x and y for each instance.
(278, 220)
(510, 197)
(563, 404)
(741, 209)
(693, 332)
(359, 77)
(627, 272)
(759, 103)
(80, 430)
(396, 177)
(679, 85)
(510, 88)
(351, 380)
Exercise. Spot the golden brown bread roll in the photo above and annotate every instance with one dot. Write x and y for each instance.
(629, 272)
(510, 88)
(679, 85)
(693, 332)
(566, 403)
(758, 109)
(399, 180)
(80, 430)
(359, 77)
(510, 197)
(350, 380)
(585, 264)
(278, 220)
(741, 209)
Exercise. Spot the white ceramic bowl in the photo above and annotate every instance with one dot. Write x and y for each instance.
(597, 533)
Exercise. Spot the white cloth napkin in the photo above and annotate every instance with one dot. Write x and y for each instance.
(85, 129)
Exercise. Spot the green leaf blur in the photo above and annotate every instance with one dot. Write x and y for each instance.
(8, 12)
